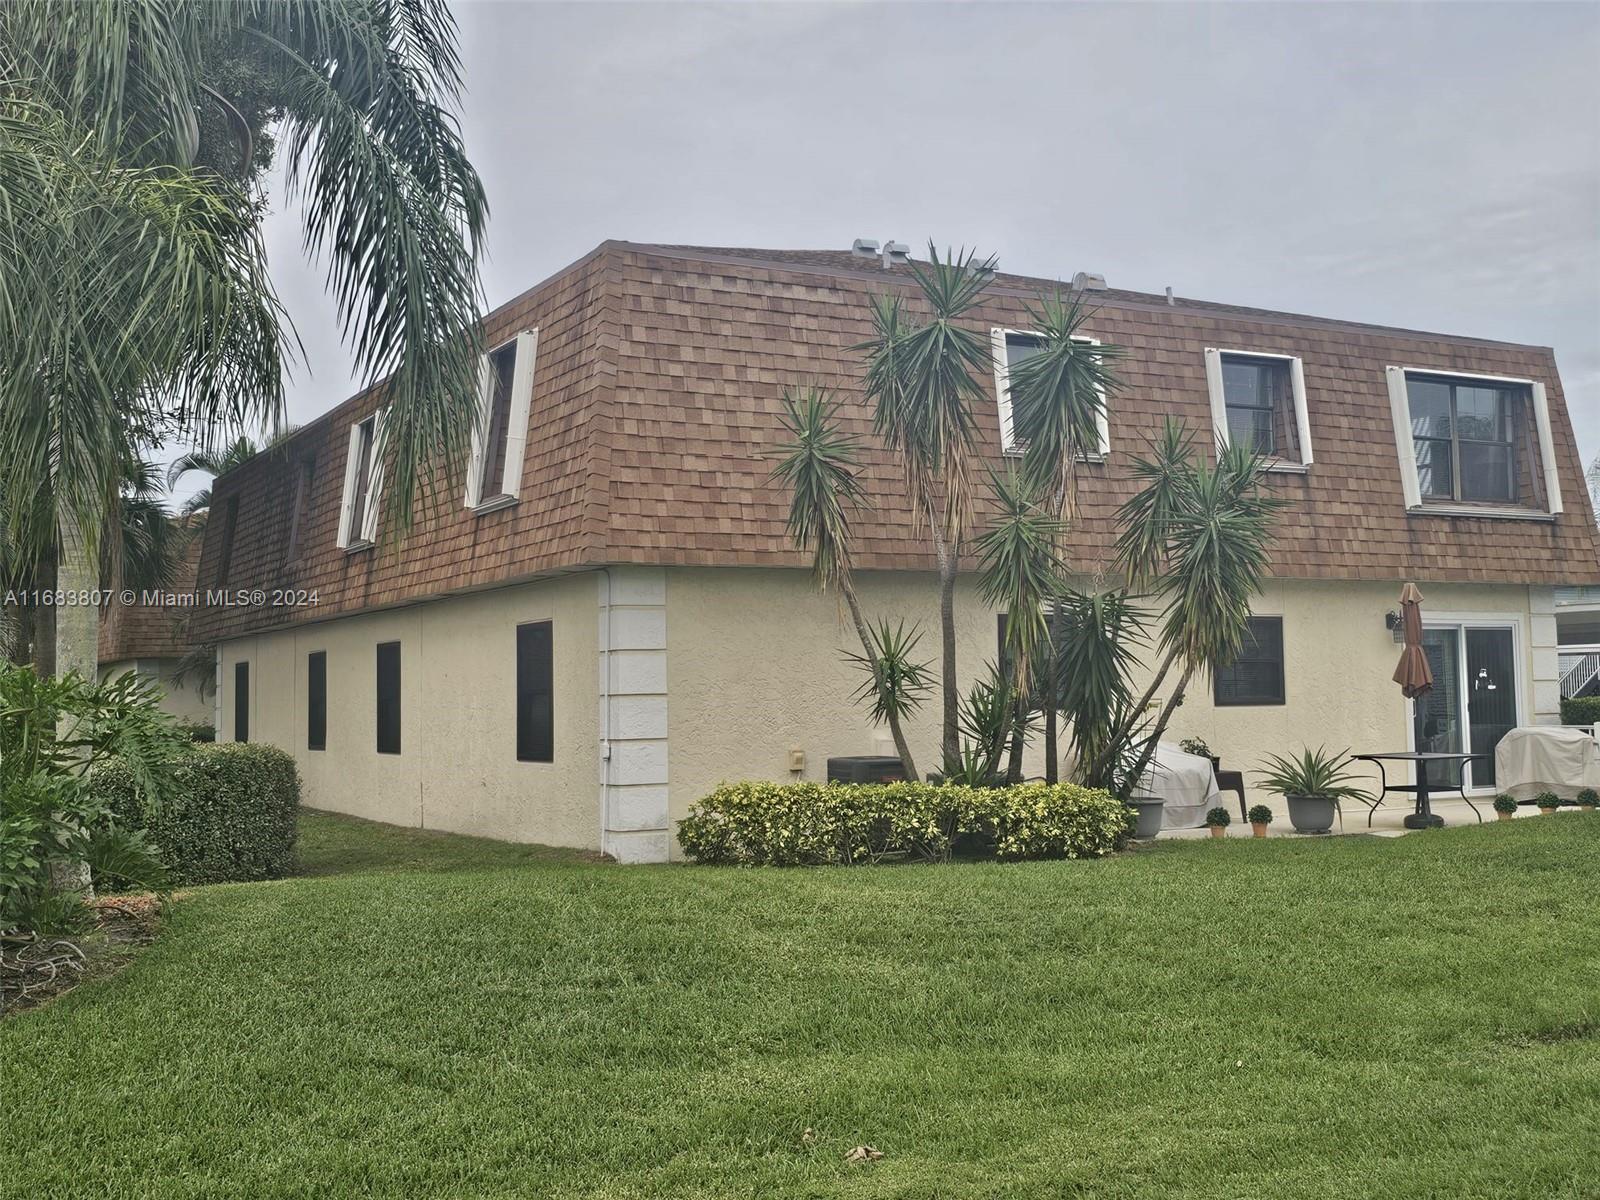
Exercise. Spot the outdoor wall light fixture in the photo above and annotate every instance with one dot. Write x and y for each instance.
(1396, 627)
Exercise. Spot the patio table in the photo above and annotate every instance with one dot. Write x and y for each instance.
(1424, 816)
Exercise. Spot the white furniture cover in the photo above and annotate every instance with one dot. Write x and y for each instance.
(1547, 758)
(1186, 782)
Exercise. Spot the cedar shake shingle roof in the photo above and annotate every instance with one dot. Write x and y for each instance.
(151, 631)
(655, 408)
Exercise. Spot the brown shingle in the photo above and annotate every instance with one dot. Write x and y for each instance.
(655, 407)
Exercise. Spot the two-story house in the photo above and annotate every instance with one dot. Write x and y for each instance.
(611, 619)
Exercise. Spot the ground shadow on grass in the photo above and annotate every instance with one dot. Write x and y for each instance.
(335, 844)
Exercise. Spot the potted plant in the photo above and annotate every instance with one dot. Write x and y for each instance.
(1218, 820)
(1587, 799)
(1149, 813)
(1505, 806)
(1313, 784)
(1260, 818)
(1548, 802)
(1194, 745)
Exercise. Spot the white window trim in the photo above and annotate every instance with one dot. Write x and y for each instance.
(1519, 657)
(1411, 485)
(357, 539)
(1002, 391)
(1297, 385)
(527, 343)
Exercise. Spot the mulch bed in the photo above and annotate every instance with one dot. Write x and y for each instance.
(38, 970)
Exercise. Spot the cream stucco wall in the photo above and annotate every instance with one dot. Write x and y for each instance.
(756, 667)
(181, 698)
(457, 769)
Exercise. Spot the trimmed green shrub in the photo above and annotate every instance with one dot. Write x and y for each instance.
(815, 824)
(1547, 800)
(1588, 797)
(1219, 817)
(197, 732)
(1580, 710)
(232, 816)
(1260, 814)
(1505, 803)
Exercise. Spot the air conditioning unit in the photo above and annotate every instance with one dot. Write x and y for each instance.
(865, 768)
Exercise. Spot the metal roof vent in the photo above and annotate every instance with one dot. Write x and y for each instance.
(895, 254)
(865, 248)
(1088, 281)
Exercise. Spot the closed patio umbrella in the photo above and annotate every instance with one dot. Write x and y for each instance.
(1414, 675)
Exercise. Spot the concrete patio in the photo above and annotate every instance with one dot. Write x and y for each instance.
(1386, 821)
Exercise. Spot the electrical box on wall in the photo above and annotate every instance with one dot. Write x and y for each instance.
(797, 759)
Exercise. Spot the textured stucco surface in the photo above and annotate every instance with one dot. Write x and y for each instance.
(458, 768)
(181, 698)
(756, 668)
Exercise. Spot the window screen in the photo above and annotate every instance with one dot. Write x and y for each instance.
(1256, 675)
(535, 694)
(317, 700)
(389, 698)
(241, 702)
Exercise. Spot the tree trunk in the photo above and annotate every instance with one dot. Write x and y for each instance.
(1019, 716)
(950, 738)
(77, 648)
(42, 621)
(1103, 760)
(900, 746)
(1052, 690)
(1161, 724)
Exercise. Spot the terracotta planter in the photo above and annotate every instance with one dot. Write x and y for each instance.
(1218, 830)
(1504, 816)
(1585, 808)
(1543, 809)
(1258, 828)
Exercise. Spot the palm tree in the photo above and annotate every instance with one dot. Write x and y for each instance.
(136, 295)
(819, 466)
(923, 379)
(210, 462)
(1058, 399)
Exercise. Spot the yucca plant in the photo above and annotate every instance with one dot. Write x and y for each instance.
(923, 380)
(818, 466)
(1311, 773)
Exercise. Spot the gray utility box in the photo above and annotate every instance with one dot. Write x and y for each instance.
(865, 768)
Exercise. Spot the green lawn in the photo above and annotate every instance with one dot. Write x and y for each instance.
(439, 1017)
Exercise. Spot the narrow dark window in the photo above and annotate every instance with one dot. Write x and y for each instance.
(535, 694)
(241, 702)
(317, 700)
(299, 513)
(502, 368)
(230, 522)
(366, 432)
(388, 697)
(1256, 675)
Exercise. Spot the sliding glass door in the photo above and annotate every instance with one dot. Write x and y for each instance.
(1474, 699)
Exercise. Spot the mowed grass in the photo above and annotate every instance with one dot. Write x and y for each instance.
(444, 1017)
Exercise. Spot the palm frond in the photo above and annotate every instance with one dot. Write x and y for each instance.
(896, 682)
(1019, 566)
(818, 465)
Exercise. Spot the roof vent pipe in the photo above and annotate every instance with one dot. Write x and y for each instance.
(1087, 281)
(895, 254)
(865, 248)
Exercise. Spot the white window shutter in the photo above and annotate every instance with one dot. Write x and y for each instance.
(1302, 413)
(1405, 447)
(369, 524)
(1219, 401)
(480, 430)
(1002, 389)
(352, 469)
(517, 418)
(1547, 448)
(1102, 419)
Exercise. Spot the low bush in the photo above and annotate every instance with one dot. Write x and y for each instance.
(230, 817)
(1547, 800)
(816, 824)
(1588, 797)
(1260, 814)
(1580, 710)
(197, 732)
(1505, 803)
(1219, 817)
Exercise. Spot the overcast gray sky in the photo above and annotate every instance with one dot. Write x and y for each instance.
(1426, 165)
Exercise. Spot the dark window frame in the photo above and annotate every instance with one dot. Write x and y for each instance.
(1511, 400)
(497, 426)
(388, 700)
(535, 679)
(366, 435)
(1261, 364)
(317, 700)
(1249, 654)
(230, 526)
(241, 701)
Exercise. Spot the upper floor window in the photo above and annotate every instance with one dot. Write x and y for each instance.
(1259, 400)
(1473, 440)
(363, 485)
(300, 502)
(230, 526)
(500, 435)
(1010, 347)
